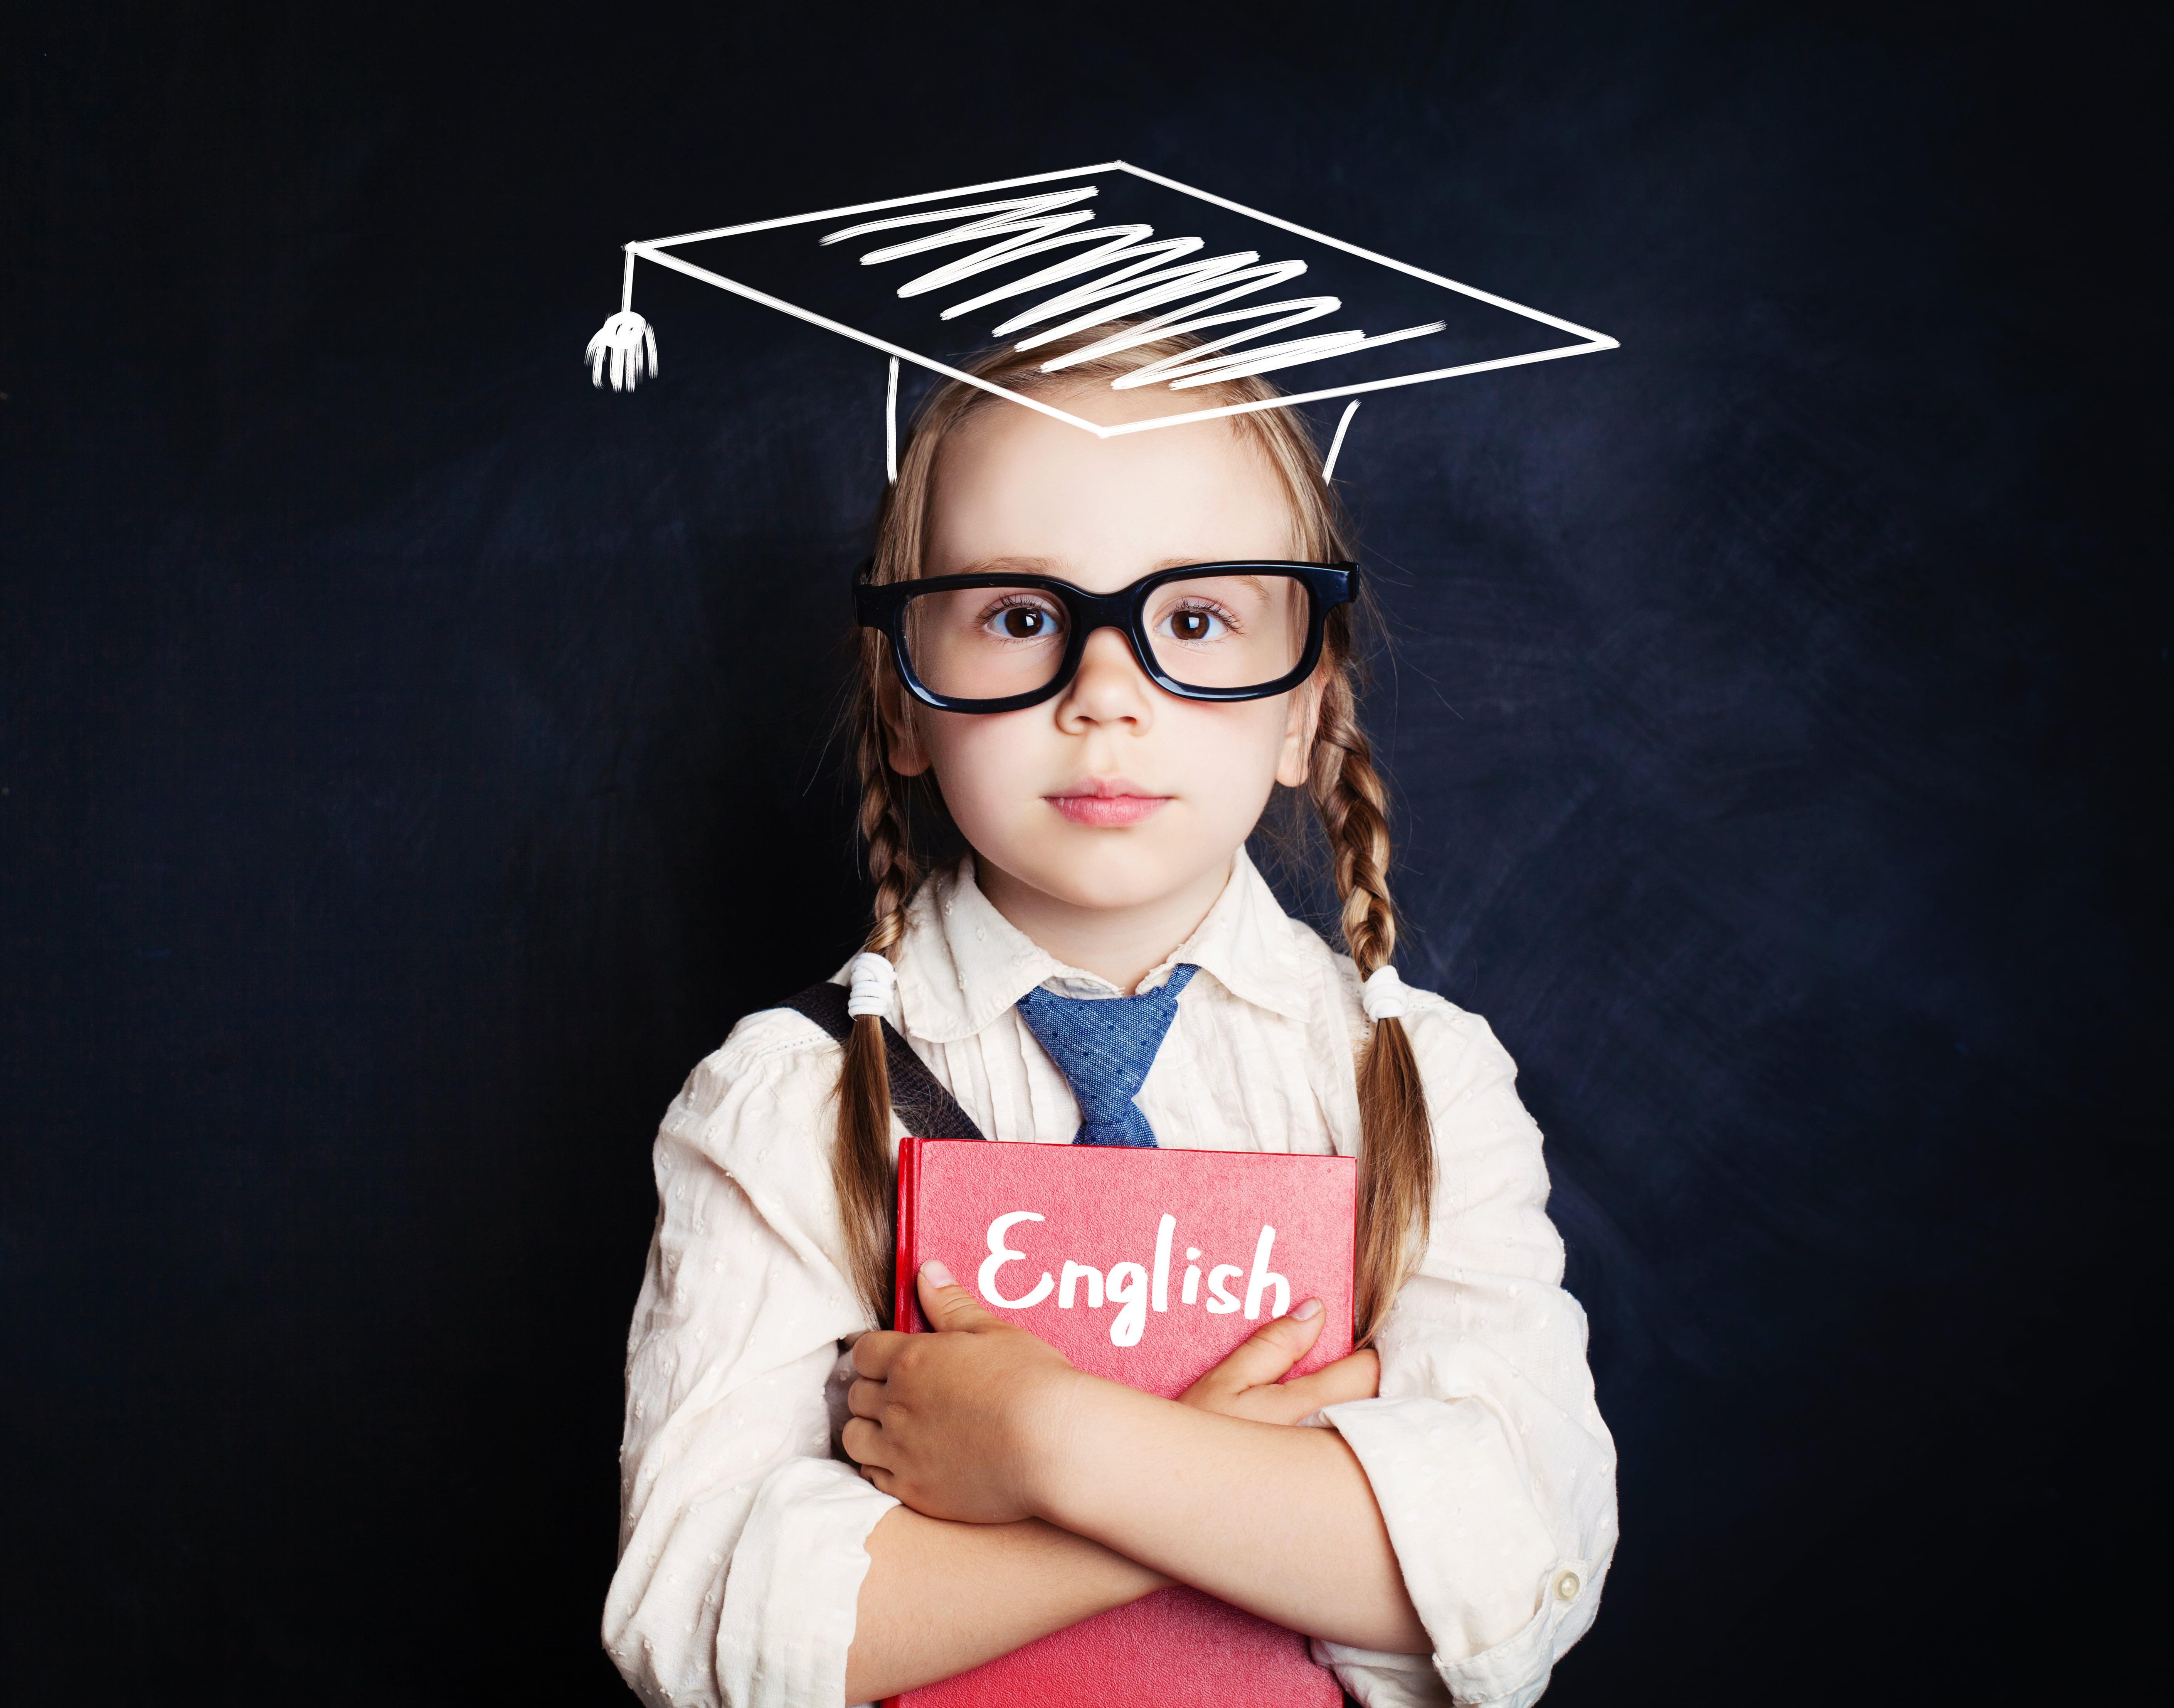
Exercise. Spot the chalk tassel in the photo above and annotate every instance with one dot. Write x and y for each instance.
(626, 344)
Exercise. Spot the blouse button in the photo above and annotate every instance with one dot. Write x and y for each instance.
(1566, 1586)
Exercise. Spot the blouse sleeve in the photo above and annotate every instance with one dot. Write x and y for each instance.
(1494, 1471)
(741, 1527)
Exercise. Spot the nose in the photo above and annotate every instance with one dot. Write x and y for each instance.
(1108, 688)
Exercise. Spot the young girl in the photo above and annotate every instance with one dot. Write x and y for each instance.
(813, 1514)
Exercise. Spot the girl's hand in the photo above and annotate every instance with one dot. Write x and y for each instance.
(957, 1424)
(1247, 1384)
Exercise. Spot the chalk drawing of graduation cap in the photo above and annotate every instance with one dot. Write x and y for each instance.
(936, 279)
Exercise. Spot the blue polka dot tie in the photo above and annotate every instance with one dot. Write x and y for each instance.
(1104, 1049)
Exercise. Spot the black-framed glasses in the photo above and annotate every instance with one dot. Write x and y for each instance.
(1241, 630)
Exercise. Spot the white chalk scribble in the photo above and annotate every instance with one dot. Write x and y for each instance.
(1134, 284)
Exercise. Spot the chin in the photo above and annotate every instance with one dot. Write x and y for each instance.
(1114, 869)
(1106, 892)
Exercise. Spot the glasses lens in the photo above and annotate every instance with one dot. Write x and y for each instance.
(1239, 631)
(986, 643)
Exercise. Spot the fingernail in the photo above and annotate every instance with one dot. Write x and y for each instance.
(1307, 1312)
(938, 1275)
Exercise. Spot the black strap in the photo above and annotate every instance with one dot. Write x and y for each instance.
(928, 1110)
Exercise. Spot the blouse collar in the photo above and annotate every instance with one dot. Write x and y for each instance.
(963, 963)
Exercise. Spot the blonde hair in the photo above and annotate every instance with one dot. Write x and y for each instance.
(1396, 1154)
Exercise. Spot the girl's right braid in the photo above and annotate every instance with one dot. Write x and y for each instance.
(861, 1166)
(893, 865)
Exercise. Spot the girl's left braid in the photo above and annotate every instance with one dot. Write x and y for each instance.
(1396, 1151)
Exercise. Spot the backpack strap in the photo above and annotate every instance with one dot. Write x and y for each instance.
(926, 1109)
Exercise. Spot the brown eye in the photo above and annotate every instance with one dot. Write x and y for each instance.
(1189, 626)
(1023, 623)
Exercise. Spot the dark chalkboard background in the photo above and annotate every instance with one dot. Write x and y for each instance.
(412, 761)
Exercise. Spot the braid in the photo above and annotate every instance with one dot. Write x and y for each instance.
(1353, 807)
(1396, 1155)
(861, 1166)
(894, 865)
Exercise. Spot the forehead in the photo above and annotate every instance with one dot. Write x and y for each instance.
(1012, 483)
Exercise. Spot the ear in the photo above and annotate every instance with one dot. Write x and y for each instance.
(1301, 721)
(906, 755)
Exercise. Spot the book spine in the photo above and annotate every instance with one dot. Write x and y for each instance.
(909, 1193)
(901, 1307)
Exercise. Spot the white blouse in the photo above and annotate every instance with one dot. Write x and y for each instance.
(742, 1523)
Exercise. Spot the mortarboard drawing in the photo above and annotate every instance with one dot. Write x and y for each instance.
(1058, 253)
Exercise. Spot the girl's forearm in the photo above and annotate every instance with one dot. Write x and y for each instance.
(1277, 1520)
(941, 1598)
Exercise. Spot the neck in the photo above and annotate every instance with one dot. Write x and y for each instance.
(1121, 944)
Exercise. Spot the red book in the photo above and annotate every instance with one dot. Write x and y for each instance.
(1147, 1267)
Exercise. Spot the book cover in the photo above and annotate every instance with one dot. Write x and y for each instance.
(1147, 1267)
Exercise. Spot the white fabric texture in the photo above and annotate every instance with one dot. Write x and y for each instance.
(741, 1554)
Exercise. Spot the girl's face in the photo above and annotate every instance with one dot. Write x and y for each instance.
(1114, 794)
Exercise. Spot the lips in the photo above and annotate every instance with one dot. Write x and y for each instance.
(1107, 802)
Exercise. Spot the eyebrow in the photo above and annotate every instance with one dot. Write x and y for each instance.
(1049, 566)
(1259, 583)
(997, 566)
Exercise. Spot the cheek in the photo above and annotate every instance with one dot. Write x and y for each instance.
(983, 763)
(1229, 753)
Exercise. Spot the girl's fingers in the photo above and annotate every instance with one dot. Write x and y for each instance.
(1358, 1377)
(1264, 1356)
(874, 1351)
(948, 1305)
(865, 1399)
(862, 1442)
